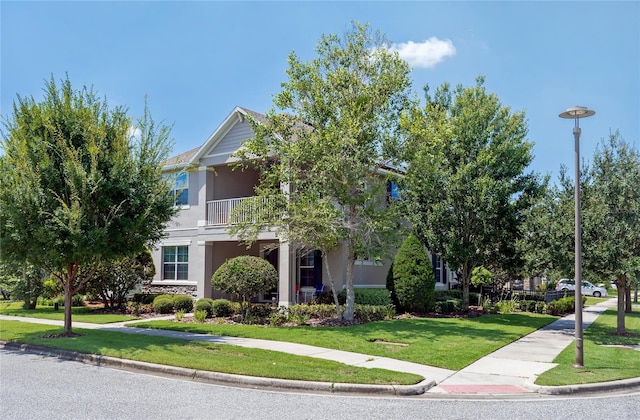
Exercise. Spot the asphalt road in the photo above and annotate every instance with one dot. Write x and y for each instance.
(37, 387)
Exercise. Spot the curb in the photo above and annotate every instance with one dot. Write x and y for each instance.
(622, 384)
(220, 378)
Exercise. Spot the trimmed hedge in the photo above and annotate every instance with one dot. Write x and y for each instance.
(163, 305)
(362, 313)
(204, 304)
(183, 303)
(565, 305)
(222, 308)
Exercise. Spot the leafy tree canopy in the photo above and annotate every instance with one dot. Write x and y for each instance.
(80, 182)
(324, 154)
(466, 185)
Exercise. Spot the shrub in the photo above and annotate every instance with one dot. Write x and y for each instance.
(200, 316)
(563, 306)
(371, 313)
(262, 311)
(221, 308)
(413, 278)
(326, 297)
(163, 296)
(312, 311)
(449, 294)
(391, 287)
(163, 305)
(179, 315)
(374, 297)
(245, 277)
(183, 303)
(448, 306)
(145, 298)
(136, 309)
(77, 300)
(204, 304)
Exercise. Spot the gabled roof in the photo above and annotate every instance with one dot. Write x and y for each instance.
(192, 156)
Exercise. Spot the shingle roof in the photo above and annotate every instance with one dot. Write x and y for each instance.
(181, 158)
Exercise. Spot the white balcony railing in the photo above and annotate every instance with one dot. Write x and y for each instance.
(219, 212)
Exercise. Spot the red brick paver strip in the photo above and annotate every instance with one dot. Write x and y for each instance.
(482, 389)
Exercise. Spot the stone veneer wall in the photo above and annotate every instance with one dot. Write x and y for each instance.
(173, 290)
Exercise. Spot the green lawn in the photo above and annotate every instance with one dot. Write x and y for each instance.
(601, 363)
(80, 314)
(450, 343)
(202, 356)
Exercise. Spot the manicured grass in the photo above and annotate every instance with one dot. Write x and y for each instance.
(202, 356)
(594, 301)
(80, 314)
(450, 343)
(601, 363)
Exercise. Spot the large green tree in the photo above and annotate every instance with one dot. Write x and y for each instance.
(547, 232)
(79, 182)
(325, 153)
(612, 218)
(610, 225)
(466, 186)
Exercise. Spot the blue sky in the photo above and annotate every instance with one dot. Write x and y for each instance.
(195, 61)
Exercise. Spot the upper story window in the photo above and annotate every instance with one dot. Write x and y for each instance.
(181, 189)
(393, 191)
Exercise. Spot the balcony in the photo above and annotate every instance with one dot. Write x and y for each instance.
(221, 212)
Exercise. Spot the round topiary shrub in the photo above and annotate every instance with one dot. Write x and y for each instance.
(204, 304)
(163, 296)
(163, 305)
(244, 277)
(413, 277)
(183, 303)
(221, 308)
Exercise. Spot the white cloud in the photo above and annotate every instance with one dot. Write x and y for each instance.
(425, 54)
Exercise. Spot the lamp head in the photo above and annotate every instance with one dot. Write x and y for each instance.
(577, 112)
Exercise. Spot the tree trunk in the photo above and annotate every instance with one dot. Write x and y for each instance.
(466, 277)
(68, 294)
(349, 310)
(621, 284)
(627, 299)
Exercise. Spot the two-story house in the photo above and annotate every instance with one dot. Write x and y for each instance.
(198, 242)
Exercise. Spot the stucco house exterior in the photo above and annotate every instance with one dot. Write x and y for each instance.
(197, 241)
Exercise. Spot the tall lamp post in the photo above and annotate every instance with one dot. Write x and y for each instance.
(576, 113)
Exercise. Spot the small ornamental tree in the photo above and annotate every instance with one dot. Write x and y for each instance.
(113, 280)
(480, 276)
(245, 277)
(413, 277)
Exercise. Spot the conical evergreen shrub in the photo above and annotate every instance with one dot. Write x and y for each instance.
(413, 277)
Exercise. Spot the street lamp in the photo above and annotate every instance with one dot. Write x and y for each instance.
(576, 113)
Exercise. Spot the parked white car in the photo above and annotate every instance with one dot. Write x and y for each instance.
(587, 288)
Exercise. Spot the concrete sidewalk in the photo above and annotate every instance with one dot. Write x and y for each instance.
(515, 367)
(511, 369)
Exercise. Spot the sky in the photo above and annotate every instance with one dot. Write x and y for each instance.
(195, 61)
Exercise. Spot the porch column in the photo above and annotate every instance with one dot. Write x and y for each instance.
(287, 275)
(204, 268)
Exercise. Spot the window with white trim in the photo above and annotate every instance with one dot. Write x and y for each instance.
(175, 263)
(181, 189)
